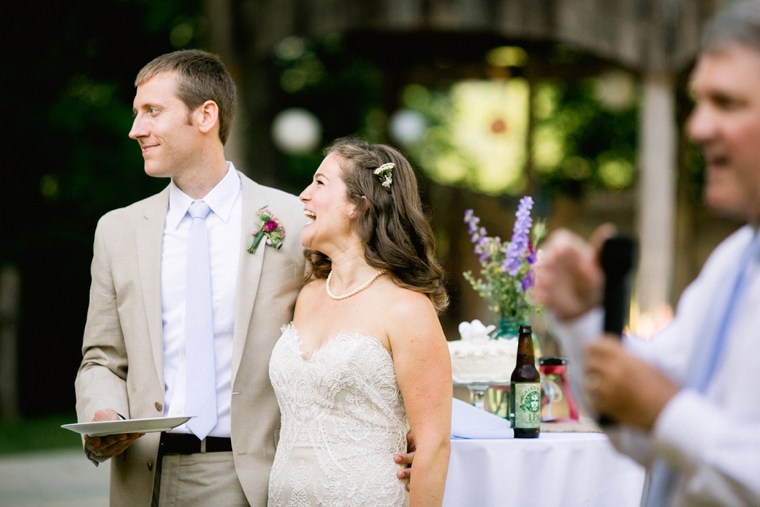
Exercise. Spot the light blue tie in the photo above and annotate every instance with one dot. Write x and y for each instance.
(200, 398)
(702, 365)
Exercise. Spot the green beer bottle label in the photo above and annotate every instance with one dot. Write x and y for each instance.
(527, 403)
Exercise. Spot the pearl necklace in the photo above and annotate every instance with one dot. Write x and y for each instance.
(356, 290)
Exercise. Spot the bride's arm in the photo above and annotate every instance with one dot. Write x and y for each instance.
(423, 372)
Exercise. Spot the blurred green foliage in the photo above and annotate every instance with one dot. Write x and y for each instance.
(579, 145)
(336, 84)
(597, 144)
(39, 433)
(66, 90)
(582, 142)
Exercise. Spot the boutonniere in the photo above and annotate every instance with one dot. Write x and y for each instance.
(271, 228)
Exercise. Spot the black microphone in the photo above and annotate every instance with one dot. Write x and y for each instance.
(617, 259)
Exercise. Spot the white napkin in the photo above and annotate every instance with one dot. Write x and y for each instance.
(470, 422)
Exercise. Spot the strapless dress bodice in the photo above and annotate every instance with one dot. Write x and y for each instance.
(343, 420)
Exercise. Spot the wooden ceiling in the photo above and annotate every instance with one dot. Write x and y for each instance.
(641, 35)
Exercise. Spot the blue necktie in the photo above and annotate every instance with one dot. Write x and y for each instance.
(702, 365)
(200, 398)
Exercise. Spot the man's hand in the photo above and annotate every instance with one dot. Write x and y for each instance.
(109, 445)
(569, 278)
(406, 459)
(623, 386)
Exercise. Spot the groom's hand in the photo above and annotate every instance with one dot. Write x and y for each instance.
(406, 459)
(109, 445)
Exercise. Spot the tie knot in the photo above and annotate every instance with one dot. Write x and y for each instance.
(198, 209)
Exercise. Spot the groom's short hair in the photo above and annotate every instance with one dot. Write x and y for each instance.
(201, 76)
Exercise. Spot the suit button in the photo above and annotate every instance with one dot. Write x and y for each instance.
(159, 407)
(150, 464)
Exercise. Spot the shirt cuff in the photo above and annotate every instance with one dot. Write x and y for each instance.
(631, 441)
(687, 418)
(96, 460)
(574, 335)
(584, 329)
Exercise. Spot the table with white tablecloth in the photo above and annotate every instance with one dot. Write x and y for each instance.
(556, 469)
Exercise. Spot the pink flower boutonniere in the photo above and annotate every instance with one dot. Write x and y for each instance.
(271, 228)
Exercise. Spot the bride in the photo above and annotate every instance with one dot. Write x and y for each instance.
(364, 358)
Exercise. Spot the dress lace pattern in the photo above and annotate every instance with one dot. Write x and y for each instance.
(343, 420)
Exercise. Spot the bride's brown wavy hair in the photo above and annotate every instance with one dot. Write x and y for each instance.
(396, 234)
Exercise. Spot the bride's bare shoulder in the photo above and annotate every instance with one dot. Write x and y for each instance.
(405, 302)
(310, 290)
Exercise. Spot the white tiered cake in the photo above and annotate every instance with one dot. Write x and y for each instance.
(476, 358)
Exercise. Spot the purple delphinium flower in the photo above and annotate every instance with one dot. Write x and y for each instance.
(532, 257)
(478, 235)
(520, 240)
(472, 221)
(482, 249)
(528, 282)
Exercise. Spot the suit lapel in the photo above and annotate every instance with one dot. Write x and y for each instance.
(249, 269)
(149, 244)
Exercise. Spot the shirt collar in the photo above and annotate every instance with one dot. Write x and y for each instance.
(220, 199)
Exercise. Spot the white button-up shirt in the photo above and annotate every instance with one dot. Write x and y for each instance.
(713, 439)
(224, 225)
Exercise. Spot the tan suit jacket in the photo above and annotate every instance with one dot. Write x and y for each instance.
(122, 366)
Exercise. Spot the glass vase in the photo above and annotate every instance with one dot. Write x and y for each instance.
(507, 329)
(498, 395)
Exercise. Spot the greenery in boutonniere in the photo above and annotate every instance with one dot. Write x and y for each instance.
(507, 274)
(270, 228)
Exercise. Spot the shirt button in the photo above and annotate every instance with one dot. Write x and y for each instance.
(150, 464)
(159, 407)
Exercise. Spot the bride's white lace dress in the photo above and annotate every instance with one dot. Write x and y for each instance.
(343, 420)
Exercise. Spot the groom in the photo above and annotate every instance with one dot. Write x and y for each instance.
(134, 358)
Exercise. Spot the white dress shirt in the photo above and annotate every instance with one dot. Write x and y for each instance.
(712, 440)
(224, 226)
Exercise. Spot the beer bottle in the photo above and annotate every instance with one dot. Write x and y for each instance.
(525, 387)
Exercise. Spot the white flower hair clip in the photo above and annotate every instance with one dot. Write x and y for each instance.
(385, 174)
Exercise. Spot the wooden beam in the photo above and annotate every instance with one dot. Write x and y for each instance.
(9, 306)
(657, 197)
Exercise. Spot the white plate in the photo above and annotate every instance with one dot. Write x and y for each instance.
(101, 428)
